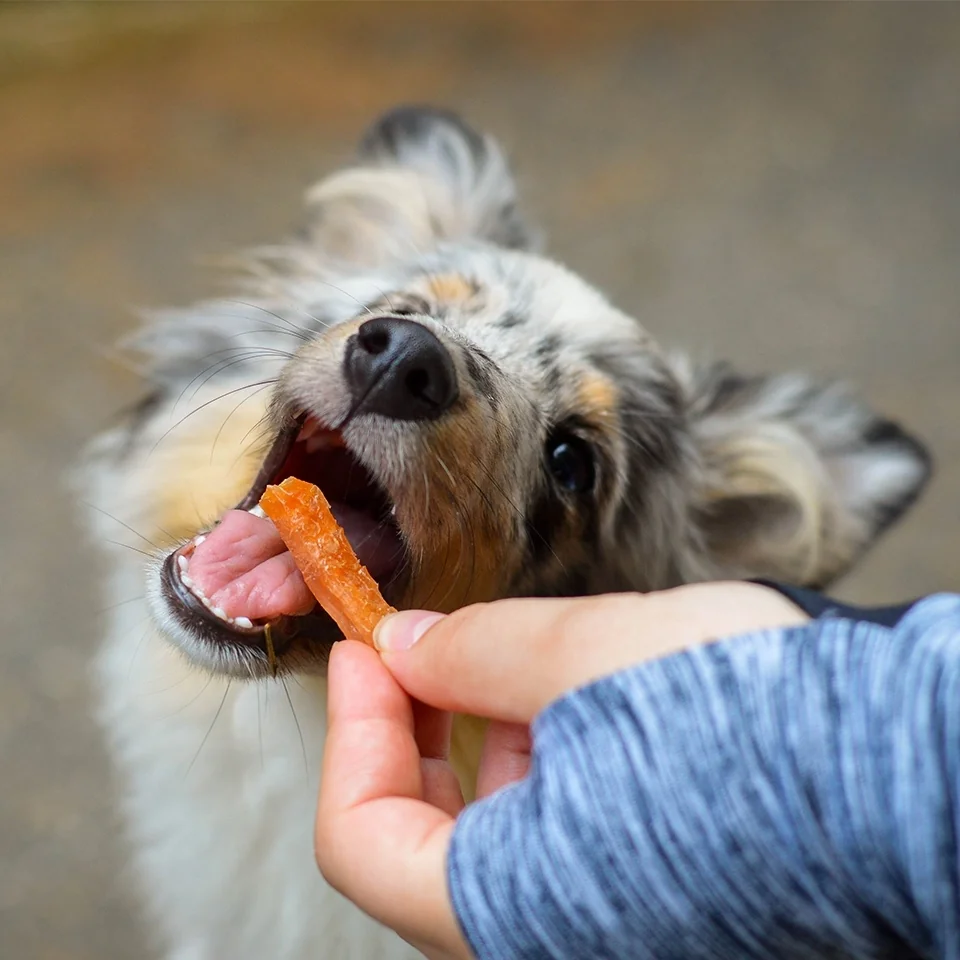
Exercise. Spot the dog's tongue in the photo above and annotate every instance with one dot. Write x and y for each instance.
(243, 568)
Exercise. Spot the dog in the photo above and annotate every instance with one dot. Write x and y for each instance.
(485, 424)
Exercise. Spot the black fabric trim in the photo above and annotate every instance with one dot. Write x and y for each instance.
(816, 605)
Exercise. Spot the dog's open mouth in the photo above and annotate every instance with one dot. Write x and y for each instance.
(238, 577)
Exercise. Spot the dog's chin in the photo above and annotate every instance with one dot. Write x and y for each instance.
(272, 641)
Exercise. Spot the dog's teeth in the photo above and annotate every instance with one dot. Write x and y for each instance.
(243, 622)
(257, 511)
(195, 589)
(393, 510)
(183, 563)
(219, 612)
(198, 540)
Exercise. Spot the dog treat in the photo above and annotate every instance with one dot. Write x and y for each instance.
(327, 562)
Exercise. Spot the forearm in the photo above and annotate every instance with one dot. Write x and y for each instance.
(785, 794)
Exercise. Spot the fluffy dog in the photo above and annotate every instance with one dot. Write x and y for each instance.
(485, 425)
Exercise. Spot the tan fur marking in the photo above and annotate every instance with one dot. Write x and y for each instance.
(773, 461)
(450, 288)
(466, 557)
(461, 572)
(598, 397)
(193, 478)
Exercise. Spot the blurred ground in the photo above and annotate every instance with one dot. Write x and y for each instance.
(776, 184)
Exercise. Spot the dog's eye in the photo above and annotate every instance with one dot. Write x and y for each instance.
(570, 462)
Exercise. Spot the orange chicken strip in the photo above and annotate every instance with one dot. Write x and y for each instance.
(322, 553)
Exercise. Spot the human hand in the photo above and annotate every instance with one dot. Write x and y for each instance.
(388, 797)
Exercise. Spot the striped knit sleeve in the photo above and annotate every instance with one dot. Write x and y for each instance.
(788, 794)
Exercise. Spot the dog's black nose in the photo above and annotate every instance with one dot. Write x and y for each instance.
(399, 369)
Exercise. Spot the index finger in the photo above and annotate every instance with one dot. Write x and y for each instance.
(376, 840)
(507, 660)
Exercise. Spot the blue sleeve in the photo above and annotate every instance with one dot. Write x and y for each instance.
(788, 794)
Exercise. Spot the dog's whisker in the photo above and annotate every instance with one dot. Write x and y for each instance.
(128, 546)
(466, 531)
(403, 568)
(223, 425)
(207, 403)
(119, 603)
(272, 332)
(384, 296)
(261, 424)
(168, 688)
(251, 353)
(520, 513)
(293, 713)
(426, 493)
(233, 362)
(195, 697)
(300, 331)
(127, 526)
(448, 544)
(346, 293)
(245, 447)
(137, 648)
(467, 590)
(213, 722)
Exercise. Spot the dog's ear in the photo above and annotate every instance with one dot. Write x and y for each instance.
(423, 176)
(796, 478)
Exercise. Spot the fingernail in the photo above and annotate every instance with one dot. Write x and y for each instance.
(400, 631)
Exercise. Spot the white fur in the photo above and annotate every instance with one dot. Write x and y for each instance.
(218, 792)
(225, 805)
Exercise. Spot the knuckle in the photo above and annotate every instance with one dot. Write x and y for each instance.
(463, 627)
(468, 619)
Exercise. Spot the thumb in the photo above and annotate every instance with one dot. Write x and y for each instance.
(508, 659)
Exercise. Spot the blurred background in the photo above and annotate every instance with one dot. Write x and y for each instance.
(774, 184)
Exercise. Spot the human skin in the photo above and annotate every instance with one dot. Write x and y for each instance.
(389, 798)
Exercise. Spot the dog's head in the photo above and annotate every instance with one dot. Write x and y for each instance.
(484, 423)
